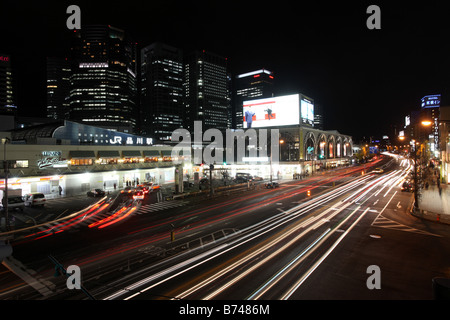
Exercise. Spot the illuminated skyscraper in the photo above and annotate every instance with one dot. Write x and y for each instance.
(58, 87)
(206, 87)
(162, 107)
(103, 85)
(248, 86)
(318, 117)
(7, 88)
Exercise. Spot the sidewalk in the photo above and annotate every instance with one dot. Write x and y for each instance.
(434, 206)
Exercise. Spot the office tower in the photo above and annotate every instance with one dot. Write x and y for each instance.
(248, 86)
(58, 87)
(7, 86)
(230, 114)
(430, 110)
(318, 117)
(162, 107)
(103, 85)
(206, 90)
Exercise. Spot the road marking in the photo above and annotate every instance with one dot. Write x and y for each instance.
(153, 207)
(294, 288)
(383, 222)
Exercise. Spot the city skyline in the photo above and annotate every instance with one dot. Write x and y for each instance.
(354, 73)
(217, 152)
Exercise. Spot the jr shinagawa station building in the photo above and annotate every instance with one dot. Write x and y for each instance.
(79, 157)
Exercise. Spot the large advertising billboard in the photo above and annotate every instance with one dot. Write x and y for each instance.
(271, 112)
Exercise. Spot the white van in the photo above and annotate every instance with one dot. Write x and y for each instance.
(14, 202)
(34, 199)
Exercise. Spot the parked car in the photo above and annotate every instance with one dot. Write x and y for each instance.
(14, 202)
(96, 193)
(272, 185)
(34, 199)
(242, 177)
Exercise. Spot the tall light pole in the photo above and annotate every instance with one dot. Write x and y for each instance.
(416, 200)
(5, 193)
(424, 123)
(279, 153)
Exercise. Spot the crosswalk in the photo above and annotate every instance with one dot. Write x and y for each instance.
(153, 207)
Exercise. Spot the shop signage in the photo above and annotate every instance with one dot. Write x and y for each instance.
(131, 140)
(51, 159)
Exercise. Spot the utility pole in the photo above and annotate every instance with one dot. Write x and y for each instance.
(211, 190)
(5, 193)
(416, 200)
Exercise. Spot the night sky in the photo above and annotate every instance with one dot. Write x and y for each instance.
(365, 80)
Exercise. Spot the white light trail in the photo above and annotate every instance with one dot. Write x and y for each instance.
(248, 234)
(297, 285)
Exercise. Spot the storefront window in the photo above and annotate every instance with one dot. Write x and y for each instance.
(81, 162)
(21, 163)
(151, 159)
(108, 161)
(130, 160)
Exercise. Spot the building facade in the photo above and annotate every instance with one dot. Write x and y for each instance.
(103, 85)
(58, 87)
(444, 132)
(8, 103)
(249, 86)
(318, 117)
(162, 104)
(78, 157)
(206, 88)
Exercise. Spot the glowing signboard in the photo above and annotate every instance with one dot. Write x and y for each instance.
(271, 112)
(432, 101)
(307, 111)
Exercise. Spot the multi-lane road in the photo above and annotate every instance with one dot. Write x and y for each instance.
(351, 238)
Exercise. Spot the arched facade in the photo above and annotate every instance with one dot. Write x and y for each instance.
(318, 144)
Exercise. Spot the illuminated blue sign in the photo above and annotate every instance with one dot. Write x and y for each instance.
(433, 101)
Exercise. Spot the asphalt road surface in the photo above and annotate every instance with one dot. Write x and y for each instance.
(337, 235)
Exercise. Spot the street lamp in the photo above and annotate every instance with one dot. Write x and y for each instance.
(424, 123)
(279, 154)
(416, 200)
(5, 193)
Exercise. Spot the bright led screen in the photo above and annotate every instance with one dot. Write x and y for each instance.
(271, 112)
(307, 111)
